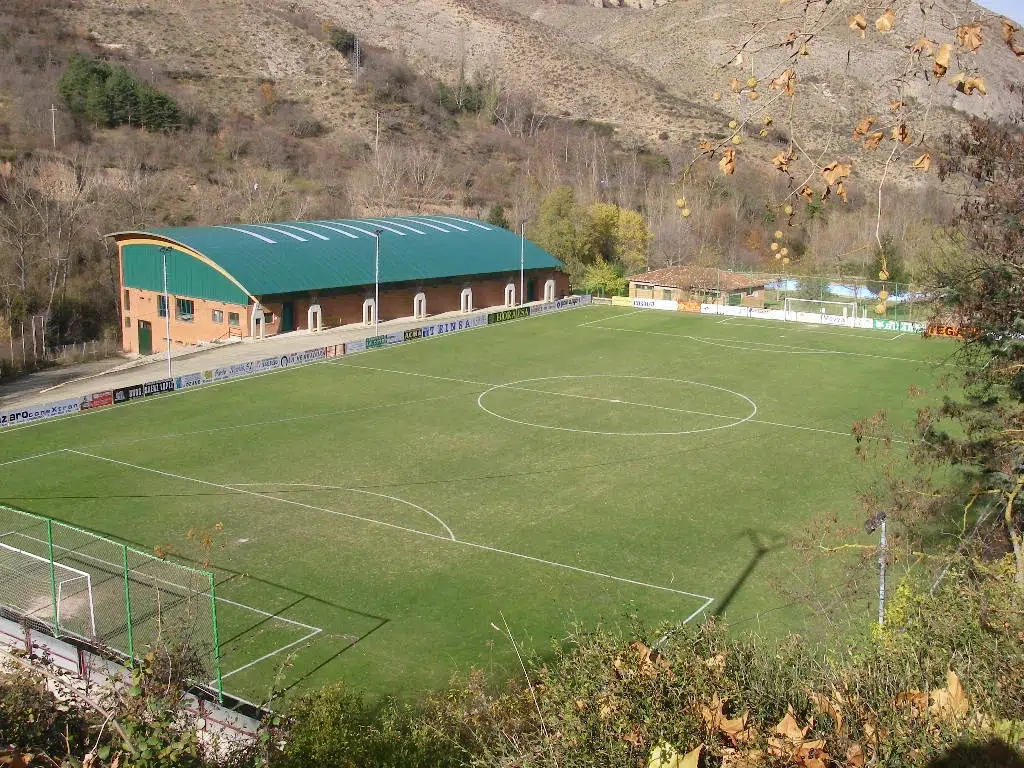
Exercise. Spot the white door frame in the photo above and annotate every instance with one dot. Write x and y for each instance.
(314, 318)
(257, 321)
(419, 305)
(466, 300)
(510, 295)
(549, 290)
(369, 312)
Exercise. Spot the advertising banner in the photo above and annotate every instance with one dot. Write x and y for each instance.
(334, 350)
(97, 400)
(689, 306)
(158, 387)
(767, 314)
(554, 306)
(898, 326)
(667, 304)
(518, 313)
(36, 412)
(355, 346)
(189, 380)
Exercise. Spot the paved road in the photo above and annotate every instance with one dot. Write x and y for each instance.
(86, 378)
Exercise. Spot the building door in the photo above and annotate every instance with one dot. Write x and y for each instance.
(531, 291)
(145, 337)
(287, 317)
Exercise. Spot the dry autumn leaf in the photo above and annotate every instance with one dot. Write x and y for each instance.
(665, 756)
(1009, 31)
(949, 703)
(859, 24)
(826, 705)
(941, 64)
(923, 45)
(784, 82)
(855, 756)
(897, 104)
(841, 192)
(885, 22)
(923, 163)
(807, 193)
(968, 85)
(900, 133)
(835, 171)
(863, 127)
(728, 162)
(872, 140)
(707, 146)
(969, 36)
(782, 160)
(735, 728)
(735, 85)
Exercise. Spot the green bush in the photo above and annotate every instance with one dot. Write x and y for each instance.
(343, 41)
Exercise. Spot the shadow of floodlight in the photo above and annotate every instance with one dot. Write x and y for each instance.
(761, 548)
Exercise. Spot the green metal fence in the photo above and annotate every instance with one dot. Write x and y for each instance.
(83, 585)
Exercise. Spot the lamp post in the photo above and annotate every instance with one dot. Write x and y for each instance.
(870, 525)
(164, 250)
(522, 259)
(376, 278)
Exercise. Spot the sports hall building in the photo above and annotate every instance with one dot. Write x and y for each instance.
(256, 280)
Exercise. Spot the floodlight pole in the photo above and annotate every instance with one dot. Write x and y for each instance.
(882, 557)
(164, 250)
(522, 259)
(376, 278)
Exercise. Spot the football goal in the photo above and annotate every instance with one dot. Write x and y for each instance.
(47, 591)
(824, 312)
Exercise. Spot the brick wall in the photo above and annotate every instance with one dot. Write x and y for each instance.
(338, 308)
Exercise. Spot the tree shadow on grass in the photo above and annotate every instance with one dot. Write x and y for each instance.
(764, 544)
(993, 754)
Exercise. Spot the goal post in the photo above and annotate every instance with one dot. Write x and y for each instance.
(57, 593)
(825, 312)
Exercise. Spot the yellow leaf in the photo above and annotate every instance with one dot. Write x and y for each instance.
(1008, 34)
(969, 36)
(841, 192)
(923, 45)
(784, 82)
(782, 160)
(664, 755)
(707, 146)
(855, 756)
(835, 171)
(804, 50)
(968, 85)
(716, 662)
(942, 59)
(885, 22)
(900, 133)
(923, 163)
(828, 707)
(728, 162)
(872, 140)
(715, 719)
(859, 24)
(807, 193)
(735, 85)
(789, 728)
(716, 96)
(949, 703)
(897, 104)
(863, 127)
(915, 700)
(826, 194)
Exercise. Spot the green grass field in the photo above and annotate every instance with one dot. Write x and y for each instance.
(380, 512)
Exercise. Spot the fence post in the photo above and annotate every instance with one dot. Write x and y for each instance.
(128, 607)
(53, 575)
(216, 641)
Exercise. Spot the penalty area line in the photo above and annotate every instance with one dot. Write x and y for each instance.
(437, 537)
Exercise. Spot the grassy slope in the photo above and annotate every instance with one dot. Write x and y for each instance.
(681, 511)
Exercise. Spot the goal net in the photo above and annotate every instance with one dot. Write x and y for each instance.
(48, 592)
(824, 312)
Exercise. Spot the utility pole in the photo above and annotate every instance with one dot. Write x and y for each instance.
(53, 124)
(164, 250)
(878, 522)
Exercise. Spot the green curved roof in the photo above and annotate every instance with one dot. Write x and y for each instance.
(301, 256)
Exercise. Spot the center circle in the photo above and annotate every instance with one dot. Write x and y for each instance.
(523, 385)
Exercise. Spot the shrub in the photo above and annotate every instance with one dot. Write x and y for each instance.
(343, 41)
(111, 96)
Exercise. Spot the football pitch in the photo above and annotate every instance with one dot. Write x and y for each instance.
(374, 518)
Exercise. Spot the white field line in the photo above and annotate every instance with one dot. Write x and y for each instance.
(269, 422)
(436, 537)
(541, 391)
(793, 326)
(313, 630)
(264, 657)
(207, 387)
(610, 317)
(354, 490)
(29, 458)
(898, 335)
(752, 346)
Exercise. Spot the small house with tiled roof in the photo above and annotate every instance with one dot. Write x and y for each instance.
(701, 284)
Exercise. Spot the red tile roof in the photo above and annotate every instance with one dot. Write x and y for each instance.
(703, 278)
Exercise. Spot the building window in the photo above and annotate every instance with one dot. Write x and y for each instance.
(127, 301)
(184, 309)
(268, 317)
(161, 305)
(127, 322)
(666, 295)
(218, 316)
(233, 319)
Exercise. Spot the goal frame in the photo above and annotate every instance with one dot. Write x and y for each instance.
(849, 309)
(57, 585)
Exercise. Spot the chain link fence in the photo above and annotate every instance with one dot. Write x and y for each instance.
(83, 585)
